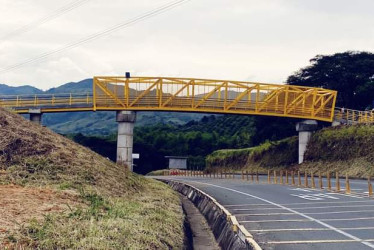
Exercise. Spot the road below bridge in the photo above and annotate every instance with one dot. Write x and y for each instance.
(290, 217)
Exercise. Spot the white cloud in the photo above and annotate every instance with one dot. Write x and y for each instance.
(240, 40)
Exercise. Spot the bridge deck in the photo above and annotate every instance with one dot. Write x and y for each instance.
(185, 94)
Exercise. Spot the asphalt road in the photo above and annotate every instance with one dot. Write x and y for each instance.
(291, 217)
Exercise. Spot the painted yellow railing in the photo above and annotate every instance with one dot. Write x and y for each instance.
(350, 116)
(186, 95)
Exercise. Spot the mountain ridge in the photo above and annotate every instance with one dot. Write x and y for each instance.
(94, 123)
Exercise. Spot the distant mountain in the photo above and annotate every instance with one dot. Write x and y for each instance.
(77, 87)
(94, 123)
(8, 90)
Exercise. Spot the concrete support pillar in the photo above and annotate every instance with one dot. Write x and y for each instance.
(126, 122)
(35, 116)
(336, 123)
(305, 129)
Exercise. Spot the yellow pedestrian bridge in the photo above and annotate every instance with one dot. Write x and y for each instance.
(191, 95)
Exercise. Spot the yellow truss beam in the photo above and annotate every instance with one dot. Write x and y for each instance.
(198, 96)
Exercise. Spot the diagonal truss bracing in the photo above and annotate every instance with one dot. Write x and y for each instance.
(187, 95)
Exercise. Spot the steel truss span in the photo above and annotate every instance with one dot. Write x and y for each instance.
(185, 95)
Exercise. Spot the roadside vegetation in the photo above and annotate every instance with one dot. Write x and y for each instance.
(346, 149)
(58, 194)
(269, 155)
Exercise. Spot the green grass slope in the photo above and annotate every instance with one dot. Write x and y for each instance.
(269, 155)
(112, 207)
(346, 149)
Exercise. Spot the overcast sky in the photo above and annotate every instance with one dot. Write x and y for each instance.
(262, 41)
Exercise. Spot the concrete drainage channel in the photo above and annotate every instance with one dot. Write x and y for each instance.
(226, 229)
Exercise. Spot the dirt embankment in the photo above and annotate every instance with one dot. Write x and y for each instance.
(347, 149)
(55, 194)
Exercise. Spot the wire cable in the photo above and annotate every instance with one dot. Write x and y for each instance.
(97, 35)
(34, 24)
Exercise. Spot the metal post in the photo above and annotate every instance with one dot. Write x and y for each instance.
(347, 185)
(281, 177)
(370, 187)
(293, 178)
(287, 181)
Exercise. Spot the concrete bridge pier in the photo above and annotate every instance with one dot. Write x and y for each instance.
(126, 121)
(305, 129)
(35, 116)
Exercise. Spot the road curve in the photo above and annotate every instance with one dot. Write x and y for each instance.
(289, 217)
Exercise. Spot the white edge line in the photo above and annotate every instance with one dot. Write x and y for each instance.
(299, 213)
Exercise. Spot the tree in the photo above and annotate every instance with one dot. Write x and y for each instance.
(350, 73)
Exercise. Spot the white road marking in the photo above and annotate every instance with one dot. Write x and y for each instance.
(318, 241)
(301, 189)
(294, 211)
(309, 229)
(264, 221)
(269, 214)
(343, 212)
(314, 213)
(349, 219)
(315, 197)
(302, 203)
(300, 208)
(348, 195)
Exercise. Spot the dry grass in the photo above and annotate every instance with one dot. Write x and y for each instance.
(112, 208)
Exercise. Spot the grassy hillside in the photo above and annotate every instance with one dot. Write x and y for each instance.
(347, 149)
(269, 155)
(58, 194)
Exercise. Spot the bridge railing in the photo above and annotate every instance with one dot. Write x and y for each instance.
(216, 96)
(351, 116)
(186, 95)
(51, 101)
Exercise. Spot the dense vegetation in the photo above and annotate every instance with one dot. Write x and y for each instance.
(195, 139)
(350, 73)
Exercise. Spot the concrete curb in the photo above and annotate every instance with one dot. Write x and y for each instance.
(225, 227)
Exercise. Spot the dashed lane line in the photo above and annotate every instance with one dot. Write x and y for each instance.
(352, 237)
(317, 241)
(302, 203)
(343, 212)
(308, 229)
(301, 208)
(349, 219)
(265, 221)
(310, 220)
(335, 212)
